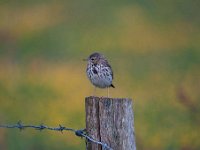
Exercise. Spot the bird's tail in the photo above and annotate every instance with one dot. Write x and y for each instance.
(112, 85)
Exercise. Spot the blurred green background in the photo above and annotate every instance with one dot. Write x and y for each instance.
(153, 47)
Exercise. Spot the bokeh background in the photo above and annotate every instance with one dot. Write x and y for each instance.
(153, 47)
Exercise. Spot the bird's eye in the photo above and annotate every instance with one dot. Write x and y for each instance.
(92, 59)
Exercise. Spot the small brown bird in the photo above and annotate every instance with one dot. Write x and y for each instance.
(99, 71)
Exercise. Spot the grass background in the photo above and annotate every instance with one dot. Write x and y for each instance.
(153, 47)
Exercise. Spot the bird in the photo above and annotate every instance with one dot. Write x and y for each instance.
(99, 71)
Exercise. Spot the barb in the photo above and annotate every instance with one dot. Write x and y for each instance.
(60, 128)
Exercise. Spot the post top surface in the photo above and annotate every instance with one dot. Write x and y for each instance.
(106, 98)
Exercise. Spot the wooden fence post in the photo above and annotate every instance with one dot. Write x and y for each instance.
(111, 121)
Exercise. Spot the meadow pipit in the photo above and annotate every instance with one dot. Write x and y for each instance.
(99, 71)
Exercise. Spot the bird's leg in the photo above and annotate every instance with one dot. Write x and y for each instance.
(107, 91)
(94, 92)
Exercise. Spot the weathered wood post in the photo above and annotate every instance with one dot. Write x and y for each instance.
(111, 121)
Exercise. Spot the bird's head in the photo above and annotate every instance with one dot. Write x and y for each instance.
(95, 58)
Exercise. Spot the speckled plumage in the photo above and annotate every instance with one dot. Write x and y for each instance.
(99, 71)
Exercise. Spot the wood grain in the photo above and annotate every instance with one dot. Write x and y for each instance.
(110, 120)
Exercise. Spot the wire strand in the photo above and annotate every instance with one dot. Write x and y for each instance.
(60, 128)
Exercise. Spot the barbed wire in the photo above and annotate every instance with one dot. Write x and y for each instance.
(60, 128)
